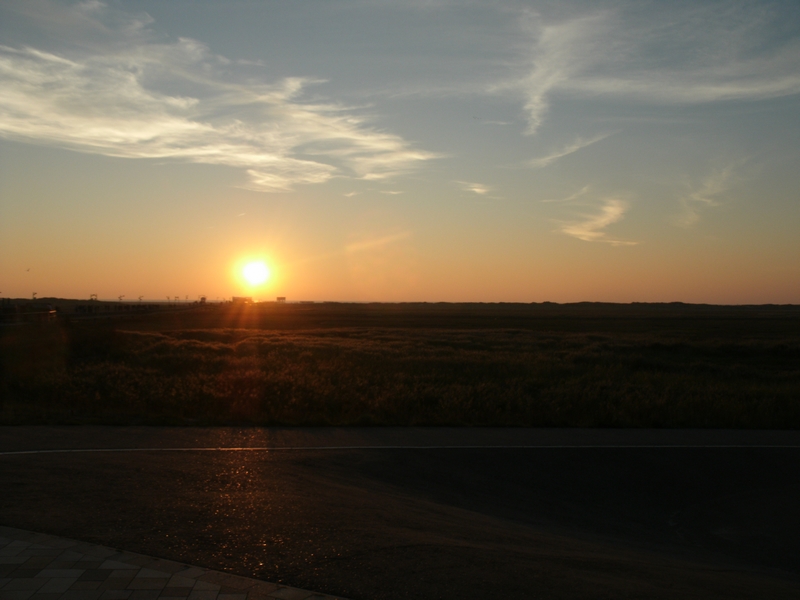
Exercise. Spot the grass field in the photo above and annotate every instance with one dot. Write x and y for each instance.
(580, 365)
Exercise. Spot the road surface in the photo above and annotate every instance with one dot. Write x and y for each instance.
(393, 513)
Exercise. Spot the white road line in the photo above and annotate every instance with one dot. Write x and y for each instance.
(323, 448)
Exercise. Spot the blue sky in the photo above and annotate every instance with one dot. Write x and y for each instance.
(429, 150)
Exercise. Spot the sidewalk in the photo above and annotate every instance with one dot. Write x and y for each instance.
(35, 566)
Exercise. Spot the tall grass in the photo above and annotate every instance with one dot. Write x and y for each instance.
(99, 373)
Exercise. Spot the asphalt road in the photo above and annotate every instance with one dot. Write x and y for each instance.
(429, 513)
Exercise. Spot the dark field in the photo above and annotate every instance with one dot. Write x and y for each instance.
(545, 365)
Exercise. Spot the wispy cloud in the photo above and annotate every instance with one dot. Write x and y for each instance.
(578, 144)
(392, 192)
(476, 188)
(706, 194)
(374, 243)
(559, 52)
(137, 98)
(581, 192)
(672, 54)
(591, 227)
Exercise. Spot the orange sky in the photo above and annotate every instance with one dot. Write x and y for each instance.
(511, 152)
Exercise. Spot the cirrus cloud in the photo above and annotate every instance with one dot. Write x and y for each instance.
(475, 188)
(591, 227)
(672, 54)
(579, 144)
(138, 98)
(706, 193)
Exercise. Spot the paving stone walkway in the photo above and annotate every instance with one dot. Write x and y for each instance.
(36, 566)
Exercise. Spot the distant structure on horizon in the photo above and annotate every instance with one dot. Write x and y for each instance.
(281, 299)
(242, 300)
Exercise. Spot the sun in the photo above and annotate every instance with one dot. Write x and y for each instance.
(255, 272)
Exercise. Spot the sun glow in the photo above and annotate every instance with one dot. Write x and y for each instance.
(255, 273)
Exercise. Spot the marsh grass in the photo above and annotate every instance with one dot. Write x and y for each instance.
(105, 373)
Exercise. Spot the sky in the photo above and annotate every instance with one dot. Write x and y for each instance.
(420, 150)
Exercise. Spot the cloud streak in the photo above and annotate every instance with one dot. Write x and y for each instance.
(557, 55)
(718, 52)
(578, 144)
(475, 188)
(375, 243)
(142, 99)
(591, 227)
(706, 194)
(581, 192)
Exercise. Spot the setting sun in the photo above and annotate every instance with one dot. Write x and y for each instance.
(255, 273)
